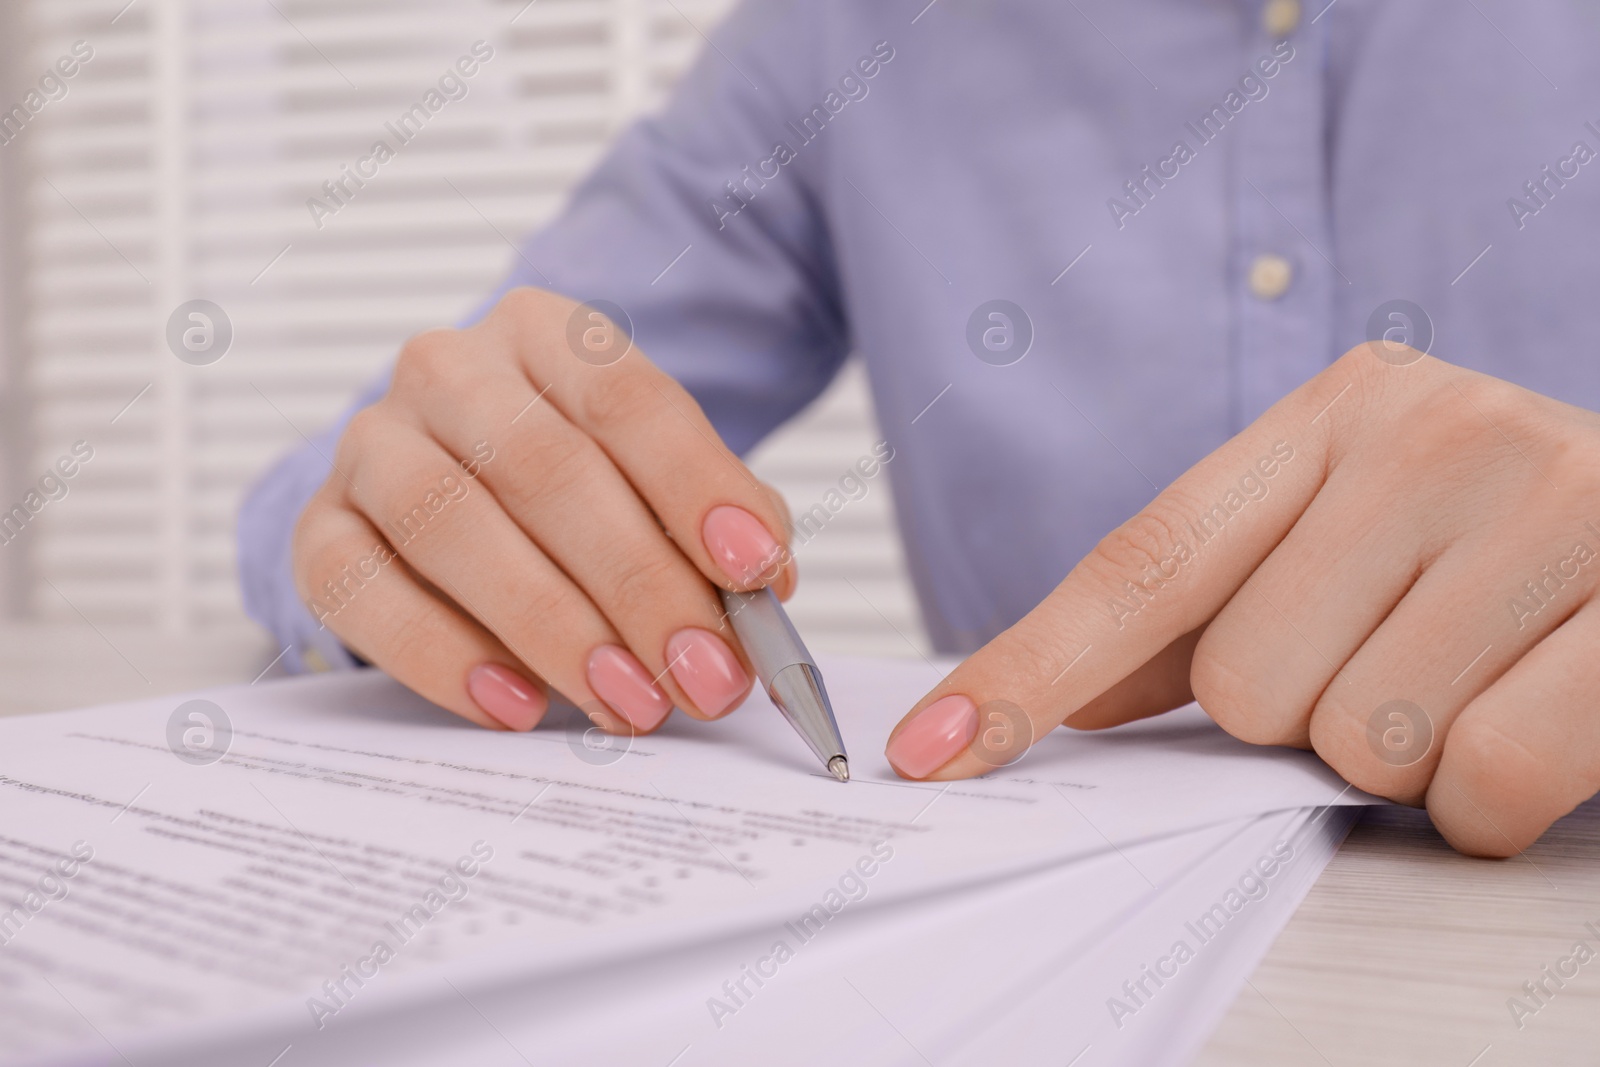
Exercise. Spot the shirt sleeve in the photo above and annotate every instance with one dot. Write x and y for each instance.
(707, 236)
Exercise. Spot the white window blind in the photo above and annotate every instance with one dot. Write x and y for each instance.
(177, 165)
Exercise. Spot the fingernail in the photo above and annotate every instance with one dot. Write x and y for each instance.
(934, 737)
(739, 543)
(707, 669)
(621, 681)
(506, 696)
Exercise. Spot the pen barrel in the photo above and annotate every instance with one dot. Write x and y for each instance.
(787, 672)
(766, 633)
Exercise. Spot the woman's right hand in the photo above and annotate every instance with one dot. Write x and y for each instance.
(535, 506)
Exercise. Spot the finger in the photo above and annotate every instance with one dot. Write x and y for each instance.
(1161, 684)
(1383, 722)
(1272, 650)
(564, 493)
(1157, 577)
(783, 588)
(355, 583)
(457, 537)
(715, 510)
(1526, 751)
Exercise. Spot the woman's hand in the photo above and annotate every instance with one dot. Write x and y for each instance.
(535, 505)
(1395, 566)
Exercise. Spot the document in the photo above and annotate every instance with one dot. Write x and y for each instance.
(260, 867)
(1074, 964)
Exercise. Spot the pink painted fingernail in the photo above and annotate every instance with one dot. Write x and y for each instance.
(707, 669)
(740, 544)
(621, 681)
(506, 696)
(934, 737)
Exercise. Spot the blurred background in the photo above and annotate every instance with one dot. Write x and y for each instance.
(175, 163)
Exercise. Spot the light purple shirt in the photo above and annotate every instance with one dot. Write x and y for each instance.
(867, 177)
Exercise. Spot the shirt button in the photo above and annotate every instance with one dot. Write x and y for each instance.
(1270, 276)
(1280, 17)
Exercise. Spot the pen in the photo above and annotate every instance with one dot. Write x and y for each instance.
(787, 670)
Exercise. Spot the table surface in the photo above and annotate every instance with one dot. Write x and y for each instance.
(1403, 953)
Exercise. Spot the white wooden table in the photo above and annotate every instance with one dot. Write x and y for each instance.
(1404, 953)
(1407, 952)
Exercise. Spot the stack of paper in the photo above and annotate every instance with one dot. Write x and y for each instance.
(331, 871)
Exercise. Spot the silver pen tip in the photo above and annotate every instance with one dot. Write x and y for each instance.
(839, 768)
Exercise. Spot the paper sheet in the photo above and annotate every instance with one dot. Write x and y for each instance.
(246, 898)
(947, 978)
(955, 979)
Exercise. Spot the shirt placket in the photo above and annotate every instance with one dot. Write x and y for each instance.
(1284, 266)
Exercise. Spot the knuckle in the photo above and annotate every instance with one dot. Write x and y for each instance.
(362, 434)
(1385, 388)
(417, 518)
(424, 640)
(431, 362)
(643, 578)
(1353, 360)
(309, 548)
(1143, 542)
(531, 322)
(1573, 464)
(1431, 422)
(1493, 765)
(1342, 734)
(1499, 798)
(1030, 656)
(566, 466)
(1350, 759)
(1359, 360)
(1250, 685)
(621, 400)
(1459, 417)
(320, 546)
(1228, 695)
(528, 303)
(541, 607)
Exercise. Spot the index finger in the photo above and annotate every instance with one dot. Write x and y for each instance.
(717, 512)
(1160, 575)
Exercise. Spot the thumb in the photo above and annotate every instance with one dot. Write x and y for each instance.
(1155, 580)
(783, 585)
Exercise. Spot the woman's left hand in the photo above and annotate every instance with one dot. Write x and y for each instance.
(1395, 566)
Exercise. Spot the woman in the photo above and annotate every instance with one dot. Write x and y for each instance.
(1080, 248)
